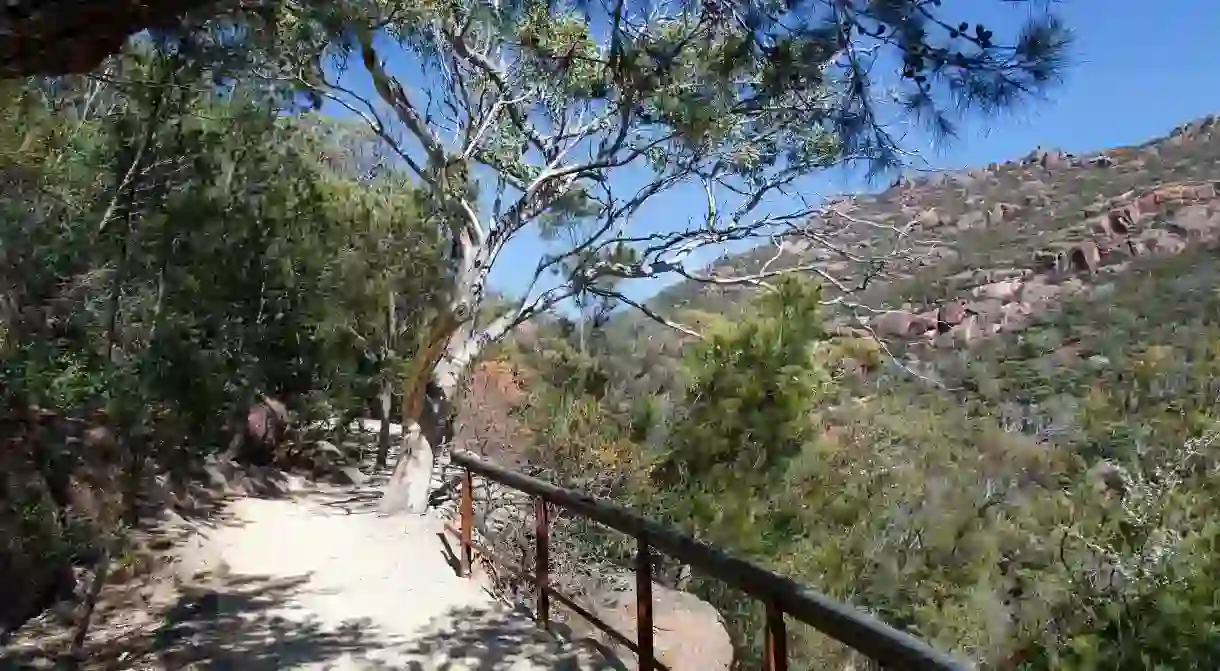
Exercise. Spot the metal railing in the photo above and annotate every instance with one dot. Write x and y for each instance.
(781, 596)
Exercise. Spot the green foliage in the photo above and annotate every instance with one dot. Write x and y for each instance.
(1050, 512)
(752, 385)
(570, 126)
(178, 240)
(171, 251)
(239, 252)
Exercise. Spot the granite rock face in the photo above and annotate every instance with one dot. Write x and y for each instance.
(990, 250)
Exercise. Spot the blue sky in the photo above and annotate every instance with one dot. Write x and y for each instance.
(1139, 68)
(1135, 72)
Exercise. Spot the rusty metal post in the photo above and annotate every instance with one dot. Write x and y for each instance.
(542, 564)
(775, 646)
(467, 514)
(643, 605)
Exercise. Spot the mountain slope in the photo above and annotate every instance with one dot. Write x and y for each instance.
(995, 247)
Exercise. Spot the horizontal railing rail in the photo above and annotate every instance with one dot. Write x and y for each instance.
(780, 595)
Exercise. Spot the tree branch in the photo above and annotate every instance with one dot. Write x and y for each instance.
(392, 93)
(646, 311)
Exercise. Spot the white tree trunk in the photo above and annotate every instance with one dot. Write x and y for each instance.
(410, 485)
(411, 482)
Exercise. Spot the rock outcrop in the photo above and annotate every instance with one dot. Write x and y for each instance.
(1055, 223)
(688, 632)
(1160, 221)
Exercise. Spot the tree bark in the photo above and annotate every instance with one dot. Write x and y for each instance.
(76, 655)
(430, 430)
(383, 436)
(386, 396)
(428, 406)
(428, 410)
(451, 346)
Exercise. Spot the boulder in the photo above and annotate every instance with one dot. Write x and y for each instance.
(1161, 242)
(1201, 192)
(1066, 355)
(1002, 290)
(1194, 224)
(923, 322)
(1099, 361)
(950, 314)
(1173, 193)
(1038, 292)
(971, 220)
(349, 475)
(689, 634)
(1015, 316)
(1120, 220)
(1000, 213)
(265, 429)
(1049, 159)
(966, 332)
(964, 277)
(326, 454)
(222, 475)
(266, 420)
(895, 323)
(929, 219)
(987, 309)
(1085, 257)
(1146, 204)
(997, 274)
(1073, 287)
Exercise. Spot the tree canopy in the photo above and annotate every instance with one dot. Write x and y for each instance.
(531, 118)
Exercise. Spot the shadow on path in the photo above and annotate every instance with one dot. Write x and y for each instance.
(313, 581)
(490, 639)
(236, 625)
(241, 625)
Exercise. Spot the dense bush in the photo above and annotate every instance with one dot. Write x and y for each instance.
(172, 252)
(1056, 516)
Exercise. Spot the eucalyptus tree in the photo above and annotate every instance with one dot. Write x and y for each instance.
(517, 118)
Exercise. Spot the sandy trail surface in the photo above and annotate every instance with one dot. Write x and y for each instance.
(312, 577)
(328, 583)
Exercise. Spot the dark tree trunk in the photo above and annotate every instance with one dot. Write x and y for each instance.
(383, 436)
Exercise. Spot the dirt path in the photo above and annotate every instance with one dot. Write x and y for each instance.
(377, 591)
(389, 571)
(313, 579)
(352, 589)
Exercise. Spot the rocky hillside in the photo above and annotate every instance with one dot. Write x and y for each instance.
(1047, 475)
(994, 247)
